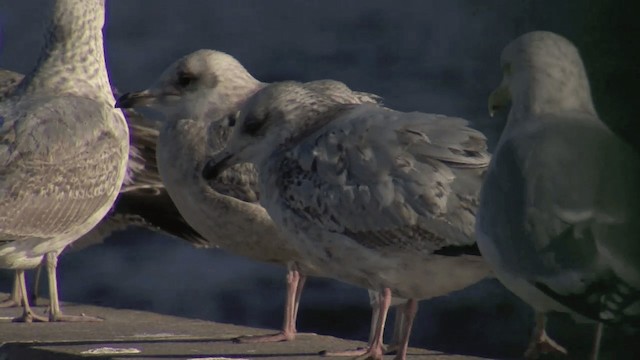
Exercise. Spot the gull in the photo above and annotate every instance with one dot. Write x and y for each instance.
(377, 198)
(63, 149)
(558, 219)
(143, 201)
(199, 95)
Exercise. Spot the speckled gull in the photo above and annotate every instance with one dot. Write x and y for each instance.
(200, 94)
(63, 149)
(558, 220)
(143, 200)
(378, 198)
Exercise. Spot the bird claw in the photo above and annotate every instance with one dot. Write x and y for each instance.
(9, 302)
(364, 353)
(545, 345)
(281, 336)
(29, 317)
(74, 318)
(351, 353)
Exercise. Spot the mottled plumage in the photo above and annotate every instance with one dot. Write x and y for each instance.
(63, 148)
(143, 200)
(365, 193)
(200, 95)
(9, 80)
(559, 214)
(386, 178)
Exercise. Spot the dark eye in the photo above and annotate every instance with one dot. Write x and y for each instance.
(231, 120)
(252, 124)
(185, 79)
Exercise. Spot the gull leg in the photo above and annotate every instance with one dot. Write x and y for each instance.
(398, 326)
(374, 300)
(375, 347)
(27, 313)
(55, 314)
(15, 299)
(295, 283)
(597, 341)
(409, 314)
(296, 302)
(540, 342)
(36, 286)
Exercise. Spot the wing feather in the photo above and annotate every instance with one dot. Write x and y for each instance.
(60, 155)
(571, 189)
(384, 178)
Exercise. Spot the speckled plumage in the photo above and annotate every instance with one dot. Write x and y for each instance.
(63, 148)
(200, 95)
(143, 200)
(380, 180)
(559, 214)
(9, 80)
(196, 127)
(365, 193)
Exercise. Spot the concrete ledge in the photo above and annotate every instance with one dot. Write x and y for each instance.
(130, 334)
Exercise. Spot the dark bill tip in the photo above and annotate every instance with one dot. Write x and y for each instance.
(213, 168)
(132, 99)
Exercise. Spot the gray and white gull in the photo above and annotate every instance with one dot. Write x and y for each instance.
(199, 95)
(378, 198)
(143, 201)
(558, 220)
(63, 149)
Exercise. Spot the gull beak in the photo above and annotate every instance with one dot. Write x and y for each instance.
(217, 164)
(135, 99)
(499, 99)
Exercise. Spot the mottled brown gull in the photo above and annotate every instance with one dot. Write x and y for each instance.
(558, 220)
(199, 95)
(63, 148)
(374, 197)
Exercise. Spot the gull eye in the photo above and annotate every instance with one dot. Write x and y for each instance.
(252, 124)
(185, 79)
(231, 119)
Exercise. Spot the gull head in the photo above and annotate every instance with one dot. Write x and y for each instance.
(269, 121)
(542, 72)
(205, 83)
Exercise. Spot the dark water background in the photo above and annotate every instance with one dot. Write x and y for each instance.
(433, 56)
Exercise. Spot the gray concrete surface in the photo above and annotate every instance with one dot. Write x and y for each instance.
(130, 334)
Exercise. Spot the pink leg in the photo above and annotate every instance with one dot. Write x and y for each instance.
(27, 313)
(409, 313)
(398, 327)
(375, 348)
(15, 299)
(540, 342)
(295, 283)
(302, 279)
